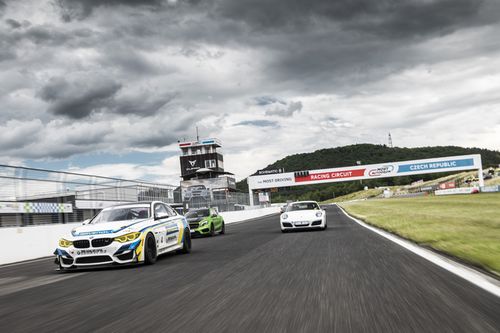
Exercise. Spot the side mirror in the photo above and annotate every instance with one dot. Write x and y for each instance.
(282, 210)
(87, 221)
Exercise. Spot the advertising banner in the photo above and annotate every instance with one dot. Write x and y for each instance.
(35, 207)
(458, 190)
(447, 185)
(371, 171)
(492, 188)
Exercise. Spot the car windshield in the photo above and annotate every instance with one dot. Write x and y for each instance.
(198, 213)
(197, 187)
(302, 206)
(121, 214)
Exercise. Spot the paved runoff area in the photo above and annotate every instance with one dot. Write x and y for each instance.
(254, 279)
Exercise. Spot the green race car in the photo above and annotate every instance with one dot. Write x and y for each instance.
(205, 221)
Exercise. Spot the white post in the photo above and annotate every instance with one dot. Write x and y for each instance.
(480, 176)
(250, 192)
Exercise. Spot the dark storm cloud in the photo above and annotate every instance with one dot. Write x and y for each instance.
(395, 18)
(13, 23)
(80, 9)
(258, 123)
(78, 99)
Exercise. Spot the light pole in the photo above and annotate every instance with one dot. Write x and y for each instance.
(361, 180)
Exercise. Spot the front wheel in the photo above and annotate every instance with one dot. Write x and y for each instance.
(223, 229)
(186, 244)
(150, 250)
(212, 230)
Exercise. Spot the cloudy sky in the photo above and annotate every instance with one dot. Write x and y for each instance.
(109, 86)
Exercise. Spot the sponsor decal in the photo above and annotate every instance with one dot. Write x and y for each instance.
(101, 232)
(331, 175)
(381, 170)
(436, 165)
(92, 251)
(276, 180)
(270, 172)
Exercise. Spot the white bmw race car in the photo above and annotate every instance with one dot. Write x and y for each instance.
(302, 215)
(125, 234)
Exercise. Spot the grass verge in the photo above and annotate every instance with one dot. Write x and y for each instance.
(463, 226)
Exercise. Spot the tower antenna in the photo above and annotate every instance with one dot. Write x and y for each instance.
(390, 141)
(197, 135)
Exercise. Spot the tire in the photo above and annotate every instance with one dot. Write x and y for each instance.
(59, 266)
(284, 231)
(186, 244)
(223, 229)
(150, 253)
(212, 230)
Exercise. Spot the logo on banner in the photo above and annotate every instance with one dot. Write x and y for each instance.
(329, 175)
(193, 162)
(383, 170)
(425, 166)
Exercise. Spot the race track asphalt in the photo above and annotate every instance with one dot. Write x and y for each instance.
(254, 279)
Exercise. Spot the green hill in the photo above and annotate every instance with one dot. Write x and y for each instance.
(366, 154)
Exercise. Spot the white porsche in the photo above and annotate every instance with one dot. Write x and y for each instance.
(125, 234)
(302, 215)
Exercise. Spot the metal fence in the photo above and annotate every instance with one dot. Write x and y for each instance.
(222, 200)
(31, 196)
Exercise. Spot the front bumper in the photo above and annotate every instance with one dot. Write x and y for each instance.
(298, 225)
(197, 230)
(115, 253)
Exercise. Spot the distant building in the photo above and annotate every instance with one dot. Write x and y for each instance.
(204, 181)
(201, 159)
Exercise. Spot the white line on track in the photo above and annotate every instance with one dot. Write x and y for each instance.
(477, 278)
(6, 289)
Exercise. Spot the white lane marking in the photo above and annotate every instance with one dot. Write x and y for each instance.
(33, 283)
(479, 279)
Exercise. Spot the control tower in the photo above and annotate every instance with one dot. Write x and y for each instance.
(201, 159)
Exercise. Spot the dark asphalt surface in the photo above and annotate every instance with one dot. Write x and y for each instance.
(254, 279)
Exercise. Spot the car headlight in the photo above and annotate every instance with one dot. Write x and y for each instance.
(204, 222)
(65, 243)
(319, 214)
(284, 216)
(128, 237)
